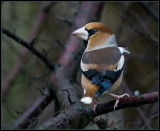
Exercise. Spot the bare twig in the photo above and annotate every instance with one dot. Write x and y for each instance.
(34, 110)
(56, 40)
(152, 117)
(150, 35)
(79, 117)
(143, 117)
(41, 15)
(69, 22)
(141, 113)
(47, 95)
(35, 78)
(29, 47)
(150, 10)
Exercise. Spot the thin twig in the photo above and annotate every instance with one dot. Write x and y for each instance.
(34, 110)
(140, 111)
(37, 24)
(29, 47)
(69, 22)
(152, 117)
(56, 40)
(150, 10)
(141, 22)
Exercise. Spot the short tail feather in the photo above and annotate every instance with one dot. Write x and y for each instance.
(86, 100)
(126, 50)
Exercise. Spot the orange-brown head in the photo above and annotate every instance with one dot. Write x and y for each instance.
(97, 35)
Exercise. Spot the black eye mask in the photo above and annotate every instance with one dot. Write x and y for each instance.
(90, 32)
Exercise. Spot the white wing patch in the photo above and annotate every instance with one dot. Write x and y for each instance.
(120, 63)
(123, 50)
(83, 66)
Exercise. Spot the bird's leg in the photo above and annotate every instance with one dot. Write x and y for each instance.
(95, 102)
(95, 105)
(117, 98)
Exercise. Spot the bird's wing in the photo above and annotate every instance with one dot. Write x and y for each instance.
(106, 57)
(105, 80)
(104, 71)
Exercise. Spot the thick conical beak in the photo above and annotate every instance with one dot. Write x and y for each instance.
(81, 33)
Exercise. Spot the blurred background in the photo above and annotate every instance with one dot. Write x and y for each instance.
(135, 25)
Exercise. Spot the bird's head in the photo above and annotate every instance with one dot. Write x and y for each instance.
(96, 35)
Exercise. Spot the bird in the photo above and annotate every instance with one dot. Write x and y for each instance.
(102, 62)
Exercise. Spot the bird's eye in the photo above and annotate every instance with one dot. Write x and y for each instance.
(94, 31)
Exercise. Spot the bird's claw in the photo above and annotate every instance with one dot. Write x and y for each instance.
(95, 105)
(117, 98)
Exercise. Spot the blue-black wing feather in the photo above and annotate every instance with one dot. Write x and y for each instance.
(105, 81)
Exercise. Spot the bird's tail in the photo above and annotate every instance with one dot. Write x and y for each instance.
(89, 94)
(87, 100)
(126, 50)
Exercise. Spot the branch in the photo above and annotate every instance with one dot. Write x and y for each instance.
(56, 40)
(140, 111)
(35, 109)
(40, 18)
(152, 117)
(78, 118)
(134, 101)
(69, 97)
(150, 10)
(68, 63)
(141, 23)
(68, 60)
(30, 47)
(68, 21)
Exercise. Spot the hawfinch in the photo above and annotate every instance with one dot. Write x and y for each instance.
(102, 62)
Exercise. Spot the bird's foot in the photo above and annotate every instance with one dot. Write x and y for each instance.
(117, 98)
(95, 105)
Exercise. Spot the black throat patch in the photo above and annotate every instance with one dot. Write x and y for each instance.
(85, 43)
